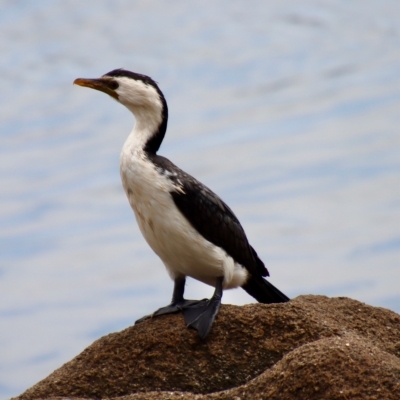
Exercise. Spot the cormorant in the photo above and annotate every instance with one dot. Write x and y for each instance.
(187, 225)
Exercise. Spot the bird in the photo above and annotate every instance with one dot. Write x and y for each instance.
(189, 227)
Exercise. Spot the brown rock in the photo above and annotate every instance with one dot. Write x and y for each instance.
(310, 348)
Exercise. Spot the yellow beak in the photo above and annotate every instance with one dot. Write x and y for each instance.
(104, 85)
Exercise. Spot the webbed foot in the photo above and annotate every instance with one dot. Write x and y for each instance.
(172, 308)
(201, 316)
(198, 314)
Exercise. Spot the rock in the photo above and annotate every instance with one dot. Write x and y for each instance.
(313, 347)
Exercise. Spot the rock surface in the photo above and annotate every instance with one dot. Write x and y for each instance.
(313, 347)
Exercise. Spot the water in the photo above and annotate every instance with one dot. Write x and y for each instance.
(289, 112)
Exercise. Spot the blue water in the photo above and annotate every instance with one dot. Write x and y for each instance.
(289, 111)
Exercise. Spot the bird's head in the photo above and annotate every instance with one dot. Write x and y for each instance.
(135, 91)
(140, 94)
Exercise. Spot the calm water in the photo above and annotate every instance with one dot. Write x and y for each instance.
(290, 113)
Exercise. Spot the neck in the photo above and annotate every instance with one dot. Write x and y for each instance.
(150, 126)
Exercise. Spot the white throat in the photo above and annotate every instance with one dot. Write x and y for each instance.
(145, 103)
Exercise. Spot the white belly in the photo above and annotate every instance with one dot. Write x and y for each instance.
(182, 249)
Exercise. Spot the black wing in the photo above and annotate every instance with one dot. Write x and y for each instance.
(211, 217)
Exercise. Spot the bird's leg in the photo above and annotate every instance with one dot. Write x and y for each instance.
(201, 316)
(178, 303)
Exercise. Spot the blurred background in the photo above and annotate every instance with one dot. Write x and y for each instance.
(289, 110)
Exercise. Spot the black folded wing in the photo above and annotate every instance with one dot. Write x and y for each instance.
(211, 217)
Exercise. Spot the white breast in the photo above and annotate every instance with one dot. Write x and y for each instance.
(181, 248)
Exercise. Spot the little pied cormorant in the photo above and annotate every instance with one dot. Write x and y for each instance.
(187, 225)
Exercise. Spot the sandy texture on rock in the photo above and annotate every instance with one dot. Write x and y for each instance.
(313, 347)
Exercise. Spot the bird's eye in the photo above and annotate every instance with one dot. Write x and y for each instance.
(114, 85)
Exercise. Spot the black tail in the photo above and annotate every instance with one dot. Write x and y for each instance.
(263, 291)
